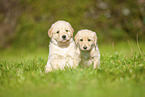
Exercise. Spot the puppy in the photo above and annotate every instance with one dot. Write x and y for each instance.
(62, 47)
(86, 42)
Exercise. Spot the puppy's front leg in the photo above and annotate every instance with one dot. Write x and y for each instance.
(96, 63)
(48, 67)
(77, 58)
(76, 62)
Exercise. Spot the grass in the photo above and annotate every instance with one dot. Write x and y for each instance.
(122, 74)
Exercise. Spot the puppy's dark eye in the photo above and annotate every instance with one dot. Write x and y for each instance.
(89, 39)
(66, 30)
(57, 32)
(81, 39)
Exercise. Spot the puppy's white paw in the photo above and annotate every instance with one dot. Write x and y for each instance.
(48, 68)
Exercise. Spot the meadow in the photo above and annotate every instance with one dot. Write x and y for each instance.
(122, 74)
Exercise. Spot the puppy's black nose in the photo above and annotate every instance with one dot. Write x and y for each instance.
(85, 47)
(64, 36)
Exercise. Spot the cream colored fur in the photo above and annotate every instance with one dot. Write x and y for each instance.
(90, 55)
(62, 52)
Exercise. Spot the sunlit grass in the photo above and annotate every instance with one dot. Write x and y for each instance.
(122, 74)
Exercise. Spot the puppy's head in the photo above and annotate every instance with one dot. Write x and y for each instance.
(61, 31)
(86, 39)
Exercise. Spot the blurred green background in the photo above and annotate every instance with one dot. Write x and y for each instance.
(24, 23)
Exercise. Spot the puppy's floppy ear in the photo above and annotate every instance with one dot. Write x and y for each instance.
(50, 32)
(76, 38)
(72, 30)
(95, 38)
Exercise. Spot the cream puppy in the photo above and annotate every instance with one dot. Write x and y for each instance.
(62, 47)
(86, 42)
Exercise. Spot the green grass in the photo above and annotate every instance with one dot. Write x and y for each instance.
(122, 74)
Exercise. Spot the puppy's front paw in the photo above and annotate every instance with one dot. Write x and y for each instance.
(48, 68)
(96, 66)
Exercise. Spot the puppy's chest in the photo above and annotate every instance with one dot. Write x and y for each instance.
(85, 55)
(86, 59)
(64, 52)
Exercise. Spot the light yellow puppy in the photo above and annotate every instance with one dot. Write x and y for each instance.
(86, 42)
(62, 47)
